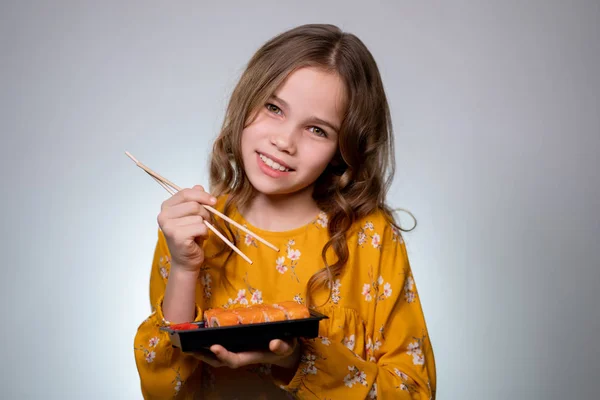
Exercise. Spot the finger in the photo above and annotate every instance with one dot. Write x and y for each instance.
(191, 232)
(282, 347)
(197, 194)
(237, 360)
(184, 234)
(188, 220)
(185, 209)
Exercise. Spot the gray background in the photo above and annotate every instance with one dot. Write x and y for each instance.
(496, 111)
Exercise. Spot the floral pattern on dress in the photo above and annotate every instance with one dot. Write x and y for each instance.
(206, 280)
(322, 220)
(256, 297)
(364, 234)
(242, 296)
(373, 392)
(405, 385)
(396, 235)
(149, 354)
(335, 291)
(249, 240)
(280, 265)
(325, 340)
(298, 298)
(178, 381)
(409, 292)
(372, 346)
(376, 289)
(355, 376)
(164, 266)
(293, 255)
(415, 349)
(153, 341)
(308, 363)
(350, 342)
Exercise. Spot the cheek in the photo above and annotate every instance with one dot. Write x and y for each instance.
(247, 139)
(321, 157)
(253, 132)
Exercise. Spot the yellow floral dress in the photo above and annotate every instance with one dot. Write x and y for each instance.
(373, 345)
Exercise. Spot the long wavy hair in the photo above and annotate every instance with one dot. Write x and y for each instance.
(356, 182)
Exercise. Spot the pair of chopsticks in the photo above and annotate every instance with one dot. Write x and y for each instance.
(173, 188)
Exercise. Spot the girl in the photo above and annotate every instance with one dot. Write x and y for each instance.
(304, 160)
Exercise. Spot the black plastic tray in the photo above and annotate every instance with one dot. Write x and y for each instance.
(248, 337)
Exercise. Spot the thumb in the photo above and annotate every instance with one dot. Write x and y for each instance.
(282, 347)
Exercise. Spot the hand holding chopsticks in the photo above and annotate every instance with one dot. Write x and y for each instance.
(173, 189)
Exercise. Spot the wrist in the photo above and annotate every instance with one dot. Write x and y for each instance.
(179, 304)
(181, 273)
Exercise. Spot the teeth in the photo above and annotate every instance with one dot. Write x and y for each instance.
(275, 165)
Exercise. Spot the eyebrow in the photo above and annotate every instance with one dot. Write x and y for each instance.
(312, 119)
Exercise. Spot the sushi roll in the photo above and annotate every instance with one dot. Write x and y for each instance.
(250, 315)
(273, 314)
(293, 310)
(216, 317)
(255, 314)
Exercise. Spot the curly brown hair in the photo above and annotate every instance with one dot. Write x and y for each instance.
(356, 182)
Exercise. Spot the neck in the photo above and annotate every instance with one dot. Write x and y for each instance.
(279, 213)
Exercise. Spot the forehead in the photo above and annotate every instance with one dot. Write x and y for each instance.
(314, 91)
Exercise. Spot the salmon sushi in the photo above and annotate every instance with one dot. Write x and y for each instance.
(293, 310)
(216, 317)
(273, 314)
(208, 314)
(249, 315)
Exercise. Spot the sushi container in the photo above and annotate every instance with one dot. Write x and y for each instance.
(247, 337)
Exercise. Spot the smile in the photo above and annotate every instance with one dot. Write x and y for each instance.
(273, 164)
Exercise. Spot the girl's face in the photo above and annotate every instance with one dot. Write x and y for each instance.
(294, 136)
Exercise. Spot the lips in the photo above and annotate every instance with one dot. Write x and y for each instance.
(277, 160)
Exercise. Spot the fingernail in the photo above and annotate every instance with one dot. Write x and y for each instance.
(213, 200)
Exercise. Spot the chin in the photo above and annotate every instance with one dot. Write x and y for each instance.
(272, 190)
(263, 186)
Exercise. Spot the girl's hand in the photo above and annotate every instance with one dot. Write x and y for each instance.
(283, 353)
(181, 220)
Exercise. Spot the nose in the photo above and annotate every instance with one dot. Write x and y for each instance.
(284, 139)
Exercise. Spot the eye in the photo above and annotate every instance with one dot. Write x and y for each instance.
(273, 108)
(318, 131)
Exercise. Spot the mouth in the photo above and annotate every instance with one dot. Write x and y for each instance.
(274, 164)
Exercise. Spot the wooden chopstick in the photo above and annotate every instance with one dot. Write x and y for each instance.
(208, 224)
(209, 208)
(241, 227)
(173, 188)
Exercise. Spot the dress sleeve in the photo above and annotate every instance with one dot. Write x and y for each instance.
(163, 369)
(386, 354)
